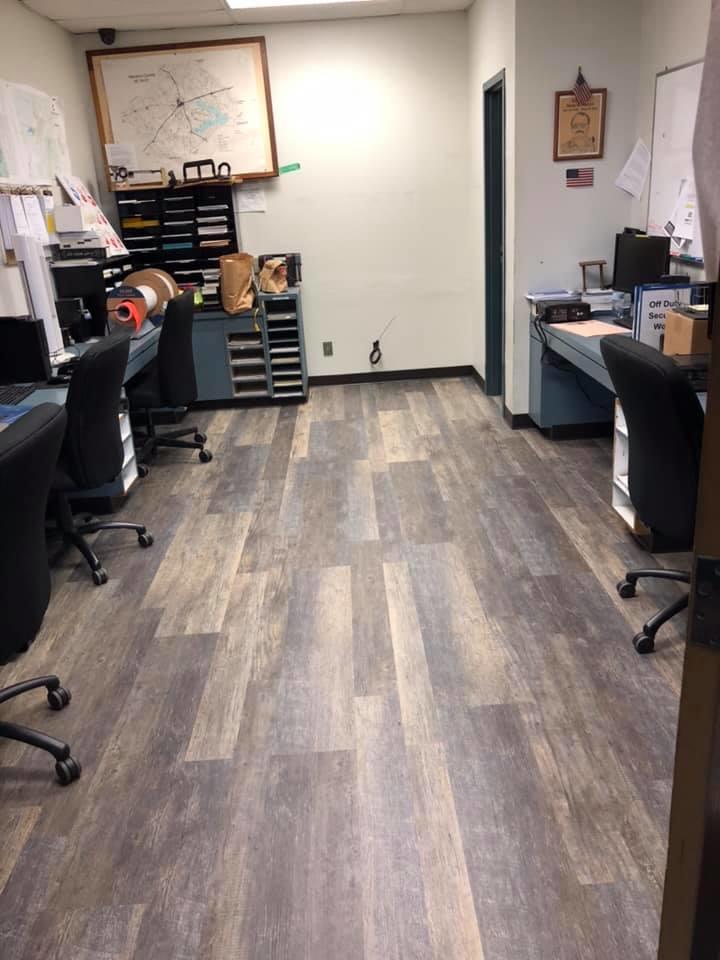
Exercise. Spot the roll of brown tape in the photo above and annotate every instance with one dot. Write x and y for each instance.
(160, 282)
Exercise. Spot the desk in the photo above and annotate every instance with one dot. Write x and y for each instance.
(142, 351)
(575, 400)
(580, 398)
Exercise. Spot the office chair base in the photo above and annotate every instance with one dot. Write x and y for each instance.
(55, 692)
(626, 587)
(74, 535)
(644, 642)
(148, 441)
(67, 768)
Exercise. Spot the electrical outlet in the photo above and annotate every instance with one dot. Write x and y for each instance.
(327, 348)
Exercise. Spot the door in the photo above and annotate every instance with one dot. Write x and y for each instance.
(494, 157)
(690, 927)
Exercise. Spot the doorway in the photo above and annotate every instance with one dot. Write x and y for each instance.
(494, 156)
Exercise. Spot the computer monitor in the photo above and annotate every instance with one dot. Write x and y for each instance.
(23, 351)
(639, 259)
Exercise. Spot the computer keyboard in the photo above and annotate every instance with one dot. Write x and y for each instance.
(14, 393)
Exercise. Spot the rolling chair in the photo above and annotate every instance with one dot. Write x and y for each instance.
(92, 452)
(169, 382)
(665, 424)
(28, 450)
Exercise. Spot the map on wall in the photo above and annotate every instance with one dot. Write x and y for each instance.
(171, 105)
(33, 145)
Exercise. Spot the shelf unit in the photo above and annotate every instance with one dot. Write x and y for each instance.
(621, 502)
(258, 355)
(248, 368)
(184, 231)
(285, 348)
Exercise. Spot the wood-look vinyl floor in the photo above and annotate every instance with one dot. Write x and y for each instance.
(370, 695)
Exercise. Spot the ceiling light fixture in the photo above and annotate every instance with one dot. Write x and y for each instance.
(254, 4)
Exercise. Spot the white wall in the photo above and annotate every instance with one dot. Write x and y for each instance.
(672, 34)
(556, 227)
(375, 111)
(491, 46)
(37, 52)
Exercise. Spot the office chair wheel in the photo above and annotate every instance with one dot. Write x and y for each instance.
(67, 771)
(58, 698)
(626, 589)
(99, 576)
(143, 470)
(146, 539)
(643, 642)
(200, 437)
(205, 456)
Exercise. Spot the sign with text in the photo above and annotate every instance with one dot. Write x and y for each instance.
(652, 302)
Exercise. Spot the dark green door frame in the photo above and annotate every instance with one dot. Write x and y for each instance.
(494, 161)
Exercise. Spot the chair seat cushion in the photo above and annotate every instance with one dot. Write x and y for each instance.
(143, 391)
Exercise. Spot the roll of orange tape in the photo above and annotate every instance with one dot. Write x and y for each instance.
(127, 313)
(118, 306)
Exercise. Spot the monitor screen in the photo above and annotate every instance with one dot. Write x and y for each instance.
(639, 259)
(23, 350)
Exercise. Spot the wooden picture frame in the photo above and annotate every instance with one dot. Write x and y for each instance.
(579, 132)
(223, 107)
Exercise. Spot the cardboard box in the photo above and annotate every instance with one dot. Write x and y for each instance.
(685, 333)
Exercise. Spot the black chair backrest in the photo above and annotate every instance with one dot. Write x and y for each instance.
(29, 449)
(93, 450)
(176, 365)
(665, 423)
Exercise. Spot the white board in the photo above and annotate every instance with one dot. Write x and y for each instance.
(672, 179)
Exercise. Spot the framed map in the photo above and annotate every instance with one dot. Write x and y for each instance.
(178, 103)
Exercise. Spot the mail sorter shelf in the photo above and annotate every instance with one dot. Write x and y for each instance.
(183, 231)
(234, 355)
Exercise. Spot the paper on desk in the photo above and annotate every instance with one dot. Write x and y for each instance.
(588, 328)
(633, 175)
(250, 199)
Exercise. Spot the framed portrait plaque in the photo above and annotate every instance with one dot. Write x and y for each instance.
(579, 128)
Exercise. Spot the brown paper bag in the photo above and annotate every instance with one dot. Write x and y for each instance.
(236, 282)
(273, 276)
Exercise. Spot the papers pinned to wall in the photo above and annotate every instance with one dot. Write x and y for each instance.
(681, 226)
(250, 198)
(633, 176)
(33, 144)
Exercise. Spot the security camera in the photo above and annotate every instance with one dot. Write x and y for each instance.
(107, 35)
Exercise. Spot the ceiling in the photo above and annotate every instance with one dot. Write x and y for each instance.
(79, 16)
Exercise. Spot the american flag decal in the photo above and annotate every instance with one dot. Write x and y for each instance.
(579, 177)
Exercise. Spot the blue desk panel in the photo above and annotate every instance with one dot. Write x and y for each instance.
(581, 396)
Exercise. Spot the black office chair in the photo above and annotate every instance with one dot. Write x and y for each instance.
(28, 451)
(665, 424)
(92, 452)
(169, 382)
